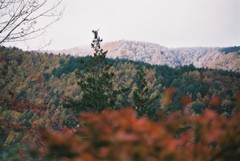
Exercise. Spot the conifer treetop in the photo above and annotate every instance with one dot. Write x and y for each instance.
(96, 44)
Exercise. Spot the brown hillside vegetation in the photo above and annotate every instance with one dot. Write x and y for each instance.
(201, 57)
(35, 87)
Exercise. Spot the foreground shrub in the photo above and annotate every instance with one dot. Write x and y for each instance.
(121, 136)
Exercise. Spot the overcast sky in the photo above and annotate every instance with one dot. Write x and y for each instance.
(172, 23)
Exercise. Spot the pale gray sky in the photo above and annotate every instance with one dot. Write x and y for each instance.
(172, 23)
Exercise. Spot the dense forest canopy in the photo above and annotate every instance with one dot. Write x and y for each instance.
(34, 88)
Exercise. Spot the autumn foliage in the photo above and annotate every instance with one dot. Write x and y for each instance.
(34, 88)
(121, 136)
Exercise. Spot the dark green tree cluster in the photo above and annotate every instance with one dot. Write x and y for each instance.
(143, 103)
(95, 81)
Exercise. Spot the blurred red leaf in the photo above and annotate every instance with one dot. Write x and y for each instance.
(185, 100)
(215, 101)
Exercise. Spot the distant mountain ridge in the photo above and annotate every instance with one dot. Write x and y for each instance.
(207, 57)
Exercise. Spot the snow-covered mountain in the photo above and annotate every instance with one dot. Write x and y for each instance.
(216, 58)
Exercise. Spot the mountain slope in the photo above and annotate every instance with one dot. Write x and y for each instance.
(34, 87)
(216, 58)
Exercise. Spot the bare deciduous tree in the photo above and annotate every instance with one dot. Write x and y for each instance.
(22, 20)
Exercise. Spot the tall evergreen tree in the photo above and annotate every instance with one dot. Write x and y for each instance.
(95, 81)
(144, 105)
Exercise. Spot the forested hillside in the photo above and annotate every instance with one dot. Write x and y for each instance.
(47, 79)
(34, 87)
(202, 57)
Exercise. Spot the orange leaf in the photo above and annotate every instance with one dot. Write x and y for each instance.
(215, 101)
(185, 100)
